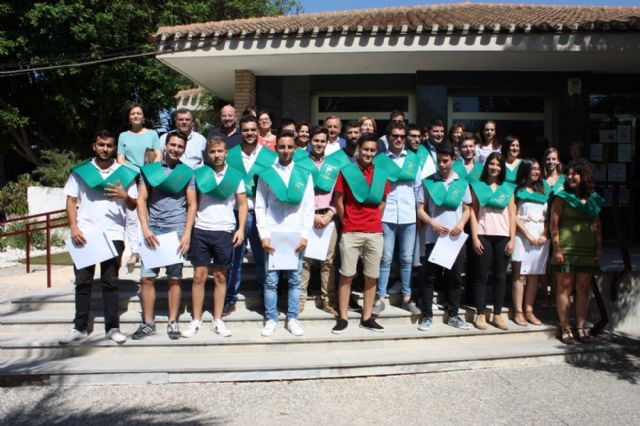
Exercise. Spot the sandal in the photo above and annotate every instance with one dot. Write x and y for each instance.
(567, 337)
(582, 336)
(532, 319)
(518, 318)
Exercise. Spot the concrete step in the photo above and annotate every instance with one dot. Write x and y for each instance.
(348, 358)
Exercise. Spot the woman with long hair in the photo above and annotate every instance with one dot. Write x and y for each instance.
(576, 234)
(134, 145)
(455, 136)
(493, 232)
(531, 250)
(512, 157)
(553, 177)
(368, 125)
(489, 141)
(303, 128)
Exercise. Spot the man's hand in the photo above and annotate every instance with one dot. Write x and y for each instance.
(183, 247)
(266, 246)
(301, 246)
(238, 238)
(78, 237)
(115, 191)
(150, 239)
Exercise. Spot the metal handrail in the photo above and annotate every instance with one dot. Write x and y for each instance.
(48, 224)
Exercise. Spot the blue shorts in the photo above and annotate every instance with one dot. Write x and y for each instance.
(173, 271)
(211, 245)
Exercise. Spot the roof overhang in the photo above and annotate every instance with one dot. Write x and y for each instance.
(211, 61)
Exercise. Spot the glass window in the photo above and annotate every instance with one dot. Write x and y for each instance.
(509, 104)
(386, 104)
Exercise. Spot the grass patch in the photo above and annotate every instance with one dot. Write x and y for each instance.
(63, 258)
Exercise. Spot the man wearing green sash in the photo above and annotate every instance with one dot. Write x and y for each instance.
(250, 158)
(399, 218)
(360, 194)
(98, 197)
(436, 136)
(284, 203)
(444, 206)
(466, 166)
(167, 203)
(215, 233)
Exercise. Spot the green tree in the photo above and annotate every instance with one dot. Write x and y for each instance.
(62, 108)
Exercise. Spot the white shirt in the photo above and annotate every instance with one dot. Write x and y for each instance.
(97, 212)
(332, 147)
(248, 161)
(194, 151)
(214, 214)
(400, 207)
(274, 215)
(443, 215)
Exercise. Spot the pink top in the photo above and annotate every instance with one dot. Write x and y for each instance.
(493, 221)
(324, 200)
(269, 143)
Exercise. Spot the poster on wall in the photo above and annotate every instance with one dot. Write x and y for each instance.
(624, 152)
(601, 173)
(624, 134)
(595, 152)
(608, 136)
(617, 172)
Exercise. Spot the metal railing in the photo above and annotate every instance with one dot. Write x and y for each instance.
(52, 220)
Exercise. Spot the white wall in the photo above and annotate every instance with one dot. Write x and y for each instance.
(44, 199)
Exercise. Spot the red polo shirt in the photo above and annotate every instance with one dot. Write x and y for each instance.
(360, 217)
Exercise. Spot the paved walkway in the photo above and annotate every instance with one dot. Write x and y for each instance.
(606, 393)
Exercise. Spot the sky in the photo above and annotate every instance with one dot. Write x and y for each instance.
(311, 6)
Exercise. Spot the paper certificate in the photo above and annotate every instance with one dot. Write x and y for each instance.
(165, 253)
(446, 250)
(534, 258)
(284, 257)
(318, 242)
(97, 249)
(428, 168)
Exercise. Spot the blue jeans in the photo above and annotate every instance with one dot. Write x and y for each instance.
(235, 269)
(406, 235)
(271, 293)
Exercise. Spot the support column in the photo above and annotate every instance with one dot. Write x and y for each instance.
(244, 91)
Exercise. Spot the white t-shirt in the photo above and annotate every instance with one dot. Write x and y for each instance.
(95, 211)
(194, 151)
(214, 214)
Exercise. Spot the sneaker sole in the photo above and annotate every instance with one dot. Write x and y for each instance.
(227, 334)
(424, 329)
(338, 331)
(142, 337)
(377, 330)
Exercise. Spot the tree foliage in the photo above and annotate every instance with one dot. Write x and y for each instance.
(62, 108)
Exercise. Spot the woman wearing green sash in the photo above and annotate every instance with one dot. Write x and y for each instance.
(493, 232)
(553, 177)
(576, 234)
(532, 246)
(512, 157)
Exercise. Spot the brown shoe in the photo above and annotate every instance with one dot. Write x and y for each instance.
(480, 322)
(330, 310)
(567, 337)
(532, 319)
(500, 322)
(518, 318)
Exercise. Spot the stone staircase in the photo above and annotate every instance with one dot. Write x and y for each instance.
(31, 325)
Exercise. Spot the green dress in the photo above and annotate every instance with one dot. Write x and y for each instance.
(577, 241)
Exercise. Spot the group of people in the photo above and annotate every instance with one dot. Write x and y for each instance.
(411, 186)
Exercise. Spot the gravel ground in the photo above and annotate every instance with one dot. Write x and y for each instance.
(560, 394)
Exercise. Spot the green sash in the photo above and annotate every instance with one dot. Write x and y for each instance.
(325, 178)
(422, 154)
(297, 183)
(487, 197)
(461, 170)
(265, 159)
(591, 208)
(301, 157)
(446, 197)
(534, 197)
(556, 187)
(207, 184)
(361, 190)
(394, 173)
(88, 172)
(511, 175)
(172, 184)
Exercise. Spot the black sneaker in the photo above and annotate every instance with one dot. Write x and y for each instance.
(341, 325)
(173, 331)
(228, 309)
(143, 331)
(372, 325)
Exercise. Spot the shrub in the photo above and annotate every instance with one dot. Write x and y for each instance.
(56, 167)
(38, 238)
(13, 196)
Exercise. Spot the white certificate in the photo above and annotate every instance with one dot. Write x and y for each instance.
(446, 250)
(429, 167)
(165, 253)
(534, 258)
(98, 248)
(318, 242)
(284, 257)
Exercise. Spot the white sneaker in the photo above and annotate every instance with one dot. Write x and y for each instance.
(220, 328)
(294, 327)
(269, 328)
(72, 335)
(395, 289)
(192, 329)
(115, 335)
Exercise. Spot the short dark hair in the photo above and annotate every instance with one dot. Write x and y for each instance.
(393, 125)
(368, 137)
(468, 136)
(287, 122)
(446, 148)
(352, 124)
(396, 112)
(299, 125)
(319, 129)
(485, 170)
(176, 134)
(103, 134)
(286, 134)
(436, 123)
(248, 119)
(409, 127)
(586, 171)
(183, 111)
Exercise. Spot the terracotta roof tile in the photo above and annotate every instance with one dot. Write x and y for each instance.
(448, 17)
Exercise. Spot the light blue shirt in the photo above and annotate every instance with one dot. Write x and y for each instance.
(400, 207)
(194, 152)
(133, 145)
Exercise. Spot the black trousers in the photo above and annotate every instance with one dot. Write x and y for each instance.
(451, 282)
(109, 280)
(492, 256)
